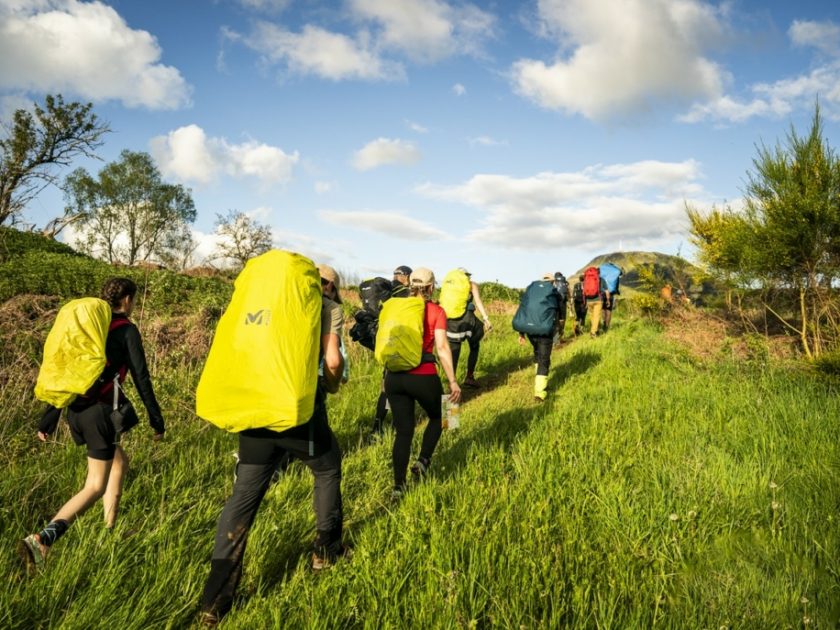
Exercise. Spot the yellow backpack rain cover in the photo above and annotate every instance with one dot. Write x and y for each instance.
(74, 351)
(262, 370)
(455, 293)
(399, 339)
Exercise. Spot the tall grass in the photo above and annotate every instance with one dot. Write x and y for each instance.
(651, 489)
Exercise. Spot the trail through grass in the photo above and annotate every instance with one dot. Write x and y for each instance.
(652, 489)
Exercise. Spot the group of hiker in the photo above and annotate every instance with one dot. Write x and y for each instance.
(277, 353)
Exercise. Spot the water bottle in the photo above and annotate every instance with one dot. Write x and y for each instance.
(451, 410)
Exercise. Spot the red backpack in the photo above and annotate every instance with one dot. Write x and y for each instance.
(591, 283)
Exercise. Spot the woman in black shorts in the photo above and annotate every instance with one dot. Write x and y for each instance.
(91, 425)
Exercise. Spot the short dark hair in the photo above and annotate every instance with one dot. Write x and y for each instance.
(115, 289)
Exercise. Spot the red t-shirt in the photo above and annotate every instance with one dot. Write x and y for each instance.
(434, 319)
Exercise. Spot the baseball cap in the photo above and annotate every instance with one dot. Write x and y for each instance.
(548, 276)
(464, 269)
(402, 270)
(422, 277)
(331, 275)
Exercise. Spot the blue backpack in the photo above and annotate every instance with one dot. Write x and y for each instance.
(611, 274)
(537, 312)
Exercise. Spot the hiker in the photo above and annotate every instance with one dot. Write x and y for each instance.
(460, 297)
(402, 277)
(399, 288)
(419, 384)
(536, 318)
(579, 306)
(595, 293)
(91, 424)
(562, 287)
(611, 275)
(304, 328)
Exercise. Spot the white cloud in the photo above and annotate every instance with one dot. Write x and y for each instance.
(459, 89)
(639, 203)
(322, 188)
(416, 127)
(189, 155)
(320, 52)
(385, 151)
(824, 36)
(619, 58)
(427, 30)
(391, 224)
(776, 99)
(487, 141)
(87, 49)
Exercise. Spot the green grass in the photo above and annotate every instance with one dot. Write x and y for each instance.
(652, 489)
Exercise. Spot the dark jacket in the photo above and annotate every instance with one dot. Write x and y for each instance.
(124, 350)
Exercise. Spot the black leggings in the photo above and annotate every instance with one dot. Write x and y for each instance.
(403, 390)
(472, 360)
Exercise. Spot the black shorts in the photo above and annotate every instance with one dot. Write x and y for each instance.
(466, 328)
(92, 427)
(608, 303)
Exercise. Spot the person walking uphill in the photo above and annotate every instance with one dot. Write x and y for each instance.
(595, 292)
(261, 381)
(460, 297)
(99, 416)
(410, 332)
(537, 318)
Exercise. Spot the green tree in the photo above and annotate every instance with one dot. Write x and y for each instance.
(34, 147)
(128, 213)
(241, 238)
(787, 239)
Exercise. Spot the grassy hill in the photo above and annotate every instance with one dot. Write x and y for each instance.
(666, 268)
(655, 487)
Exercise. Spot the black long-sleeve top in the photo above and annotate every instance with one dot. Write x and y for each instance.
(123, 347)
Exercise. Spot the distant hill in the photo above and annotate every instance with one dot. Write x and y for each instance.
(665, 268)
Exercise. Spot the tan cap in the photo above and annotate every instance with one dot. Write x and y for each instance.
(422, 277)
(331, 275)
(548, 276)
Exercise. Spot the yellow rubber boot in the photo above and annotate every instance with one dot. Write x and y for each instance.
(540, 387)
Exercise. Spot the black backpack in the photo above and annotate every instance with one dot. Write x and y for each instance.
(373, 293)
(577, 293)
(537, 312)
(561, 285)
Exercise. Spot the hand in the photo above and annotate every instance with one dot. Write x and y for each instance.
(521, 340)
(157, 437)
(487, 325)
(42, 436)
(454, 392)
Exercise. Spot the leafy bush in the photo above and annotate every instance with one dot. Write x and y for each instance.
(16, 243)
(828, 363)
(495, 291)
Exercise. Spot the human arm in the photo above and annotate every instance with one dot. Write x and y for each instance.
(333, 362)
(48, 422)
(142, 380)
(479, 305)
(444, 354)
(332, 324)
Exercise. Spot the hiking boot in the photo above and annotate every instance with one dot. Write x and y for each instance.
(209, 618)
(538, 399)
(471, 382)
(592, 335)
(33, 554)
(324, 560)
(420, 468)
(397, 494)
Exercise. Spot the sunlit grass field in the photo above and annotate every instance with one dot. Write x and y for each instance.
(651, 489)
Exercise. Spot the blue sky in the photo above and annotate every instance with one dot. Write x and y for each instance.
(511, 138)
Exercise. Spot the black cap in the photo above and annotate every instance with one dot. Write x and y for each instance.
(402, 270)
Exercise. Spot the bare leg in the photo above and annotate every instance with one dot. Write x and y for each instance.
(97, 481)
(113, 491)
